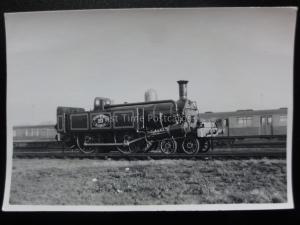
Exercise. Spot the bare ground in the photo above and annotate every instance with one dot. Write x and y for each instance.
(104, 182)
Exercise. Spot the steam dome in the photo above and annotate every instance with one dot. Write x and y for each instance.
(150, 95)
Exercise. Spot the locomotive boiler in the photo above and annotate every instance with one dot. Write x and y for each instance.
(133, 127)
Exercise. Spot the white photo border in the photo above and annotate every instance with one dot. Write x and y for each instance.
(124, 208)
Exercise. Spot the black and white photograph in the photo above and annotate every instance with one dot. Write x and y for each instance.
(150, 109)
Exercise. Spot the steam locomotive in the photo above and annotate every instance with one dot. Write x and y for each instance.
(134, 127)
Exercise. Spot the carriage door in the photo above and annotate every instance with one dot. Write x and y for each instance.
(225, 127)
(266, 125)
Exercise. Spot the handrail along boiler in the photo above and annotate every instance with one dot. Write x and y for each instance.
(134, 127)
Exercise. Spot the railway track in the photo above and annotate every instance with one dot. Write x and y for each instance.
(145, 156)
(53, 149)
(23, 145)
(255, 145)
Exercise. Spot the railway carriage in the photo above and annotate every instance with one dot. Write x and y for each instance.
(34, 136)
(247, 123)
(34, 133)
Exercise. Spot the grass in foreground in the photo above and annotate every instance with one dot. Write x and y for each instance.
(100, 182)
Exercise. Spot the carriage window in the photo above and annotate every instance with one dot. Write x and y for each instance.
(283, 119)
(208, 124)
(15, 133)
(244, 121)
(269, 120)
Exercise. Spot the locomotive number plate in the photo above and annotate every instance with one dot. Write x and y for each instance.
(100, 120)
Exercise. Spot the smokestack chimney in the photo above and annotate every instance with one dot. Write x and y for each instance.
(182, 89)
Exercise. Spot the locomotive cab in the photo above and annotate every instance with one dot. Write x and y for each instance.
(100, 103)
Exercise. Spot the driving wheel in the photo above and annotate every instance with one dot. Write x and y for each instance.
(190, 145)
(80, 140)
(168, 146)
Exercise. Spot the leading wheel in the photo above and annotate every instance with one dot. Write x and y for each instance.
(80, 140)
(190, 146)
(168, 146)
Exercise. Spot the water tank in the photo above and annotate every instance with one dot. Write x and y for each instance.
(150, 95)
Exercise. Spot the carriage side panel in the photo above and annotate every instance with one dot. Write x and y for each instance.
(244, 125)
(280, 124)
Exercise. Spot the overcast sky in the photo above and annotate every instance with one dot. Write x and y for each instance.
(234, 58)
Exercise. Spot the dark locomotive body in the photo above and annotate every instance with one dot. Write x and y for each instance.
(133, 127)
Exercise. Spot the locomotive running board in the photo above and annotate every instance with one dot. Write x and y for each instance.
(105, 144)
(114, 144)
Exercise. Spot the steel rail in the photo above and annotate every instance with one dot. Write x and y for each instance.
(116, 155)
